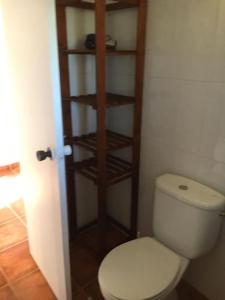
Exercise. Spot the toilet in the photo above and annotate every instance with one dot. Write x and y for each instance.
(186, 223)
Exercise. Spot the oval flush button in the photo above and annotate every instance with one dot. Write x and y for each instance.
(183, 187)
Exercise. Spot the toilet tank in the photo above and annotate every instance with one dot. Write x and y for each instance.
(187, 215)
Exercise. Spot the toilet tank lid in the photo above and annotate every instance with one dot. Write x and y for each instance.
(190, 192)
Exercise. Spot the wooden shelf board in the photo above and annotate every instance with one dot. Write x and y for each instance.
(76, 3)
(115, 141)
(93, 52)
(117, 169)
(120, 4)
(112, 100)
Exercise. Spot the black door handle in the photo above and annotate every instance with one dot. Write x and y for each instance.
(42, 155)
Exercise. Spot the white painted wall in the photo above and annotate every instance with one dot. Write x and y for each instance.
(9, 150)
(33, 74)
(184, 112)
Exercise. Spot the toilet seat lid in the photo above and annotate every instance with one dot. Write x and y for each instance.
(138, 270)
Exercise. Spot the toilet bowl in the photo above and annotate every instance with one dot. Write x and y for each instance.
(126, 273)
(186, 223)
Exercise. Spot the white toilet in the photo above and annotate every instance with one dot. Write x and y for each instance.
(186, 223)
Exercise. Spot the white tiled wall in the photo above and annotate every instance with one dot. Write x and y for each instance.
(184, 112)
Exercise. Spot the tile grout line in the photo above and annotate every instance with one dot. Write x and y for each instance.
(82, 288)
(4, 286)
(21, 220)
(8, 283)
(89, 282)
(8, 221)
(13, 245)
(18, 216)
(24, 276)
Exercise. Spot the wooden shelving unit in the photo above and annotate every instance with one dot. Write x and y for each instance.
(111, 100)
(115, 141)
(104, 169)
(93, 52)
(120, 4)
(116, 169)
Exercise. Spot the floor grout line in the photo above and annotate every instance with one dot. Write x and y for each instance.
(8, 282)
(11, 284)
(18, 216)
(21, 220)
(24, 276)
(8, 221)
(4, 286)
(89, 282)
(13, 245)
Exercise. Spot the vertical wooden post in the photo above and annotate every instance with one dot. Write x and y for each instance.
(142, 12)
(67, 118)
(100, 9)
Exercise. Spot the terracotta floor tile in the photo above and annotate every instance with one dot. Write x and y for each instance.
(84, 265)
(12, 233)
(6, 214)
(90, 238)
(80, 296)
(17, 261)
(33, 287)
(93, 291)
(24, 219)
(114, 238)
(18, 207)
(7, 294)
(75, 287)
(2, 280)
(187, 292)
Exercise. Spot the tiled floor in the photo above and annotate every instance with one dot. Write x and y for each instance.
(20, 278)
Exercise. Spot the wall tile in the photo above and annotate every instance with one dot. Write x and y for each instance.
(222, 120)
(211, 121)
(184, 44)
(122, 65)
(183, 112)
(120, 212)
(190, 116)
(160, 109)
(123, 28)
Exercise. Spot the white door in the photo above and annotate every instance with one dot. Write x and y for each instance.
(33, 78)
